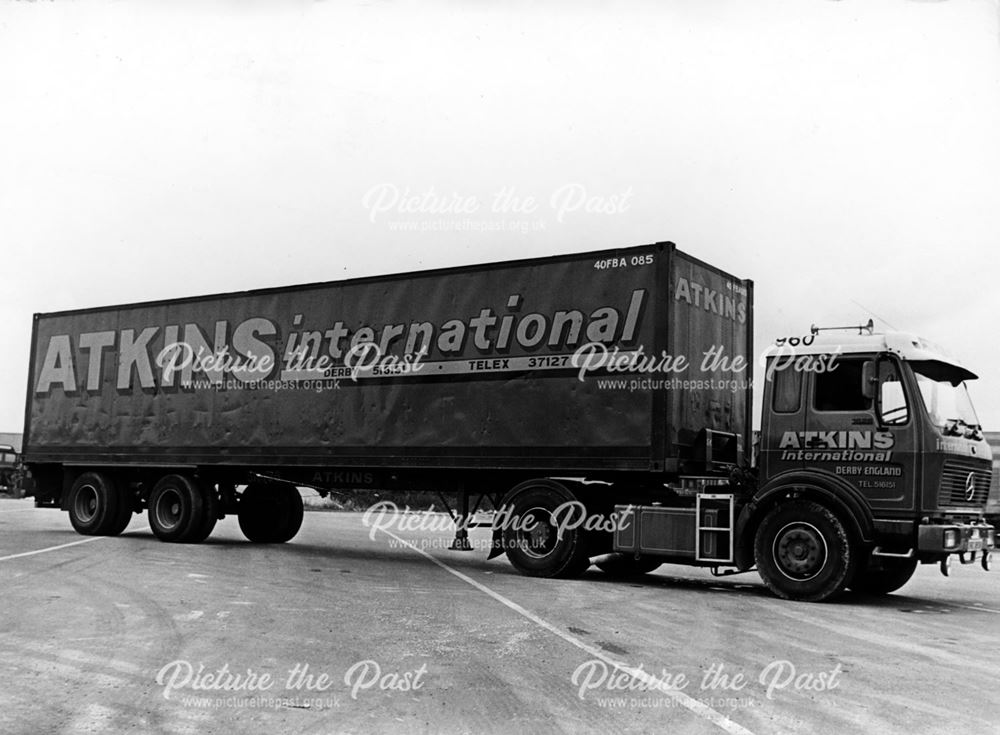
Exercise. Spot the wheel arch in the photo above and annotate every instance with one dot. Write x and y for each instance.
(828, 490)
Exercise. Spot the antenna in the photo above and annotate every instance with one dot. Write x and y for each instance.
(870, 326)
(874, 315)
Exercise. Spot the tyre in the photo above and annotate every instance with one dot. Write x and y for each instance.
(176, 508)
(626, 565)
(882, 575)
(270, 513)
(125, 511)
(533, 543)
(803, 552)
(209, 517)
(95, 505)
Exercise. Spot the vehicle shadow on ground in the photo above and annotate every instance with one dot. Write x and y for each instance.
(902, 603)
(311, 554)
(753, 587)
(747, 584)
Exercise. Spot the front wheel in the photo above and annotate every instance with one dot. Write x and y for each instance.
(803, 552)
(882, 575)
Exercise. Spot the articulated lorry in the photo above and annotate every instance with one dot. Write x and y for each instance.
(599, 404)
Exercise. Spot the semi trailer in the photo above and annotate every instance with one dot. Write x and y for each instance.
(598, 404)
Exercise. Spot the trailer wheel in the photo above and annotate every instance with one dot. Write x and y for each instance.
(210, 516)
(125, 511)
(270, 513)
(532, 540)
(95, 505)
(176, 508)
(803, 552)
(626, 565)
(882, 575)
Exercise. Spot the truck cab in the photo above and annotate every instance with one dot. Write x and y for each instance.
(881, 427)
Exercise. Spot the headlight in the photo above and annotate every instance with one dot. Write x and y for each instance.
(951, 538)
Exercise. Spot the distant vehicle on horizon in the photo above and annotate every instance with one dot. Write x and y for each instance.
(8, 470)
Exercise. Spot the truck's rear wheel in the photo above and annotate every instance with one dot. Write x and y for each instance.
(270, 513)
(803, 552)
(176, 508)
(882, 575)
(95, 505)
(531, 538)
(626, 565)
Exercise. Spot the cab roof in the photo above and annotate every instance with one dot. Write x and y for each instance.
(907, 346)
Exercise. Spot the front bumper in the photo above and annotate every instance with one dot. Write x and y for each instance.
(956, 538)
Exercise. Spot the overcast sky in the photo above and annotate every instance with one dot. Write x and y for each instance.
(844, 155)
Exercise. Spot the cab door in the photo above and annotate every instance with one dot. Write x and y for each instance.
(862, 433)
(783, 421)
(895, 487)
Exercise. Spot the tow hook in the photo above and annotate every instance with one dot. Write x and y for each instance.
(986, 560)
(970, 560)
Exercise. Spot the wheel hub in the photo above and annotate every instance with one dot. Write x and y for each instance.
(86, 503)
(538, 537)
(800, 551)
(168, 510)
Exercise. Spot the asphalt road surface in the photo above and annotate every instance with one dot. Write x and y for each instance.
(350, 630)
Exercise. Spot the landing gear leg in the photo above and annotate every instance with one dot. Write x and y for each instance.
(462, 520)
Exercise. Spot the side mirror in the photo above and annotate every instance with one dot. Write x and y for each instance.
(868, 379)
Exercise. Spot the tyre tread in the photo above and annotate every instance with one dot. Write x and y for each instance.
(845, 565)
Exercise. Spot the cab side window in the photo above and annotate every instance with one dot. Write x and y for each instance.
(839, 388)
(892, 406)
(787, 391)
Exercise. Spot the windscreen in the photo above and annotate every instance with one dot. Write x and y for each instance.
(946, 398)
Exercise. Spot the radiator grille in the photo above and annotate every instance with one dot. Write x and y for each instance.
(955, 485)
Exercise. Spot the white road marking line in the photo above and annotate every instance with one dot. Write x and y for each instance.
(693, 705)
(52, 548)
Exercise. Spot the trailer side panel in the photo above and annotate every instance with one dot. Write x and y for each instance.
(495, 381)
